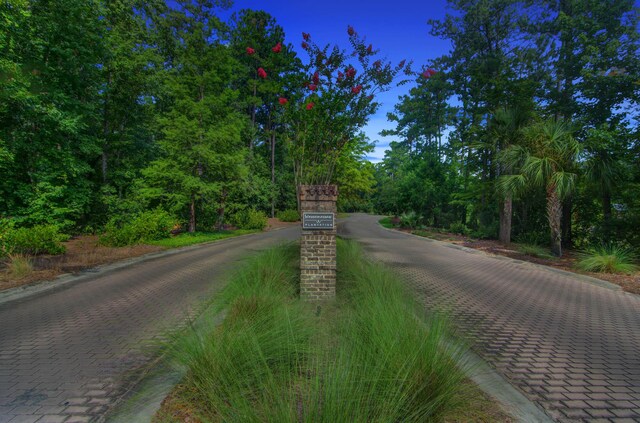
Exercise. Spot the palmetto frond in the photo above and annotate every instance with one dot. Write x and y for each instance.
(564, 183)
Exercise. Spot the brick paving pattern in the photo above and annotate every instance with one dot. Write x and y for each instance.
(67, 355)
(572, 347)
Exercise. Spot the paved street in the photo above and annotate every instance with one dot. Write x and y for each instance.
(570, 346)
(66, 355)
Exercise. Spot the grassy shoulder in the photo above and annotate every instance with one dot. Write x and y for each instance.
(371, 356)
(87, 251)
(185, 239)
(612, 264)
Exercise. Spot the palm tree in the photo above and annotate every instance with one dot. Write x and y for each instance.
(545, 160)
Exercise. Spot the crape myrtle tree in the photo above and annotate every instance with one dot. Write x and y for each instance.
(335, 100)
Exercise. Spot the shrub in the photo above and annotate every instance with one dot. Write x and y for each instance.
(288, 215)
(410, 219)
(608, 259)
(39, 239)
(459, 228)
(151, 225)
(250, 219)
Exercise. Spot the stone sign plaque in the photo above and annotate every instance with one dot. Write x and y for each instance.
(317, 220)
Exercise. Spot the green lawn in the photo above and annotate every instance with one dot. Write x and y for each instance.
(182, 240)
(386, 222)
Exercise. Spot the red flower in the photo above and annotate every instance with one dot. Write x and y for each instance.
(350, 31)
(316, 78)
(370, 49)
(351, 72)
(356, 89)
(310, 106)
(370, 97)
(401, 64)
(431, 72)
(340, 76)
(306, 36)
(312, 87)
(261, 73)
(283, 101)
(305, 45)
(277, 48)
(377, 64)
(250, 51)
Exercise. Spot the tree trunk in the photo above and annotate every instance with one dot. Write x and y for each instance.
(192, 214)
(221, 210)
(554, 215)
(606, 212)
(273, 174)
(505, 220)
(567, 238)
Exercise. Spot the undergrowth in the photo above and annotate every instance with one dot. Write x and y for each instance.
(608, 259)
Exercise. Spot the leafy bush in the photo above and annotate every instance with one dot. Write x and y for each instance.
(288, 215)
(147, 226)
(39, 239)
(459, 228)
(250, 219)
(410, 219)
(608, 259)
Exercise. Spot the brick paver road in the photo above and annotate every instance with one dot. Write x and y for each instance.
(570, 346)
(66, 355)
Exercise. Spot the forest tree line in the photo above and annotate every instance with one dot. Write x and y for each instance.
(528, 128)
(112, 109)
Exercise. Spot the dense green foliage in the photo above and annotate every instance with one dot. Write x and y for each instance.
(147, 226)
(250, 219)
(528, 129)
(289, 215)
(112, 108)
(39, 239)
(274, 358)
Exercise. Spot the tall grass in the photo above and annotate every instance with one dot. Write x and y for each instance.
(609, 259)
(370, 356)
(19, 266)
(392, 363)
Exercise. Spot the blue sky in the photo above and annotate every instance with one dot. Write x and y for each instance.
(399, 29)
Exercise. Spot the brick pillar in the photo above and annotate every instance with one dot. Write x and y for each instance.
(318, 246)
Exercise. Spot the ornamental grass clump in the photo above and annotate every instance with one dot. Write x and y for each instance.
(370, 356)
(392, 363)
(608, 259)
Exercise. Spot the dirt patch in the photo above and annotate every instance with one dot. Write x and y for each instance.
(629, 283)
(84, 252)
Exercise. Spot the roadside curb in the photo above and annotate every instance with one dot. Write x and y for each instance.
(21, 292)
(584, 278)
(497, 386)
